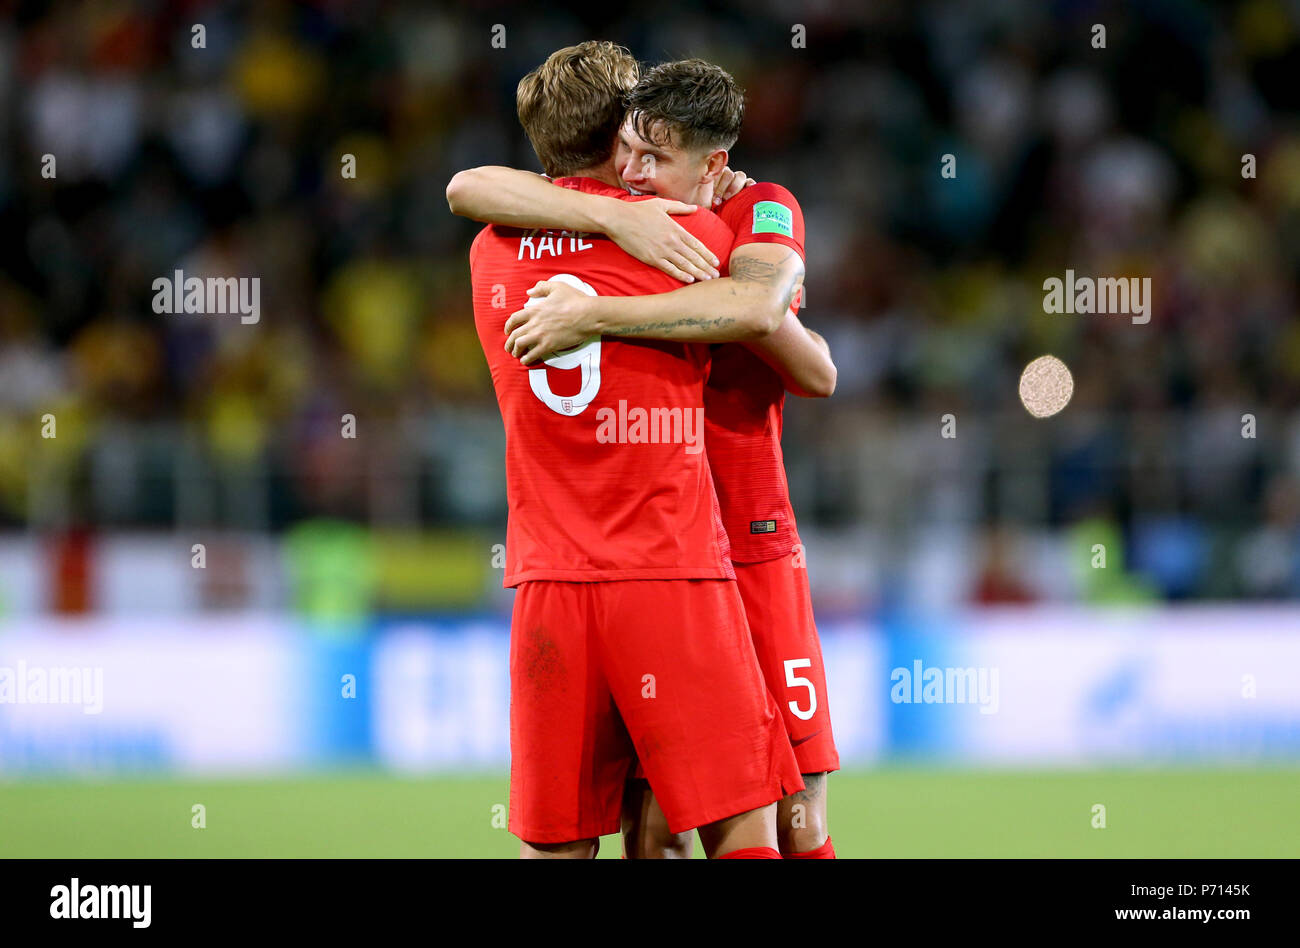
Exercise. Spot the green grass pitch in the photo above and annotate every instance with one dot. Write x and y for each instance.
(878, 813)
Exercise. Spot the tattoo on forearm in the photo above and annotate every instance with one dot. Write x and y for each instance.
(743, 269)
(749, 270)
(670, 327)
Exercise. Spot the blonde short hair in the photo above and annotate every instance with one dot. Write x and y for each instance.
(572, 105)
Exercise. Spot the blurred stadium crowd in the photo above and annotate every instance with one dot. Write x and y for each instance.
(225, 160)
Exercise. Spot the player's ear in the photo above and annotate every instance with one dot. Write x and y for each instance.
(714, 164)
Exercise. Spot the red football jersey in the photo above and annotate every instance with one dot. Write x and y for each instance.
(745, 398)
(606, 473)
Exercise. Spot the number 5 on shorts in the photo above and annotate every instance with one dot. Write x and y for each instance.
(792, 680)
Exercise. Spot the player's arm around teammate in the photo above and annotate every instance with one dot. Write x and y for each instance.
(754, 304)
(763, 278)
(644, 229)
(800, 356)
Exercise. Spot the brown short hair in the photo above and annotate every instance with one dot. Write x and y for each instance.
(699, 105)
(572, 105)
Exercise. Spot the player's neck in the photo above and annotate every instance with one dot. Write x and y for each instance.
(604, 173)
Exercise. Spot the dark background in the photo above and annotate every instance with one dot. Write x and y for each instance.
(1122, 161)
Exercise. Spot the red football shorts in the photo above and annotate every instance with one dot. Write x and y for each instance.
(664, 671)
(779, 609)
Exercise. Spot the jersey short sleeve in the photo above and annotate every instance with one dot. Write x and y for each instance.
(765, 213)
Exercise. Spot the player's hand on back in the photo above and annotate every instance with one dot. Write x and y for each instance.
(647, 231)
(730, 183)
(552, 320)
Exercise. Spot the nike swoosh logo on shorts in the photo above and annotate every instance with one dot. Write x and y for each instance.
(804, 740)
